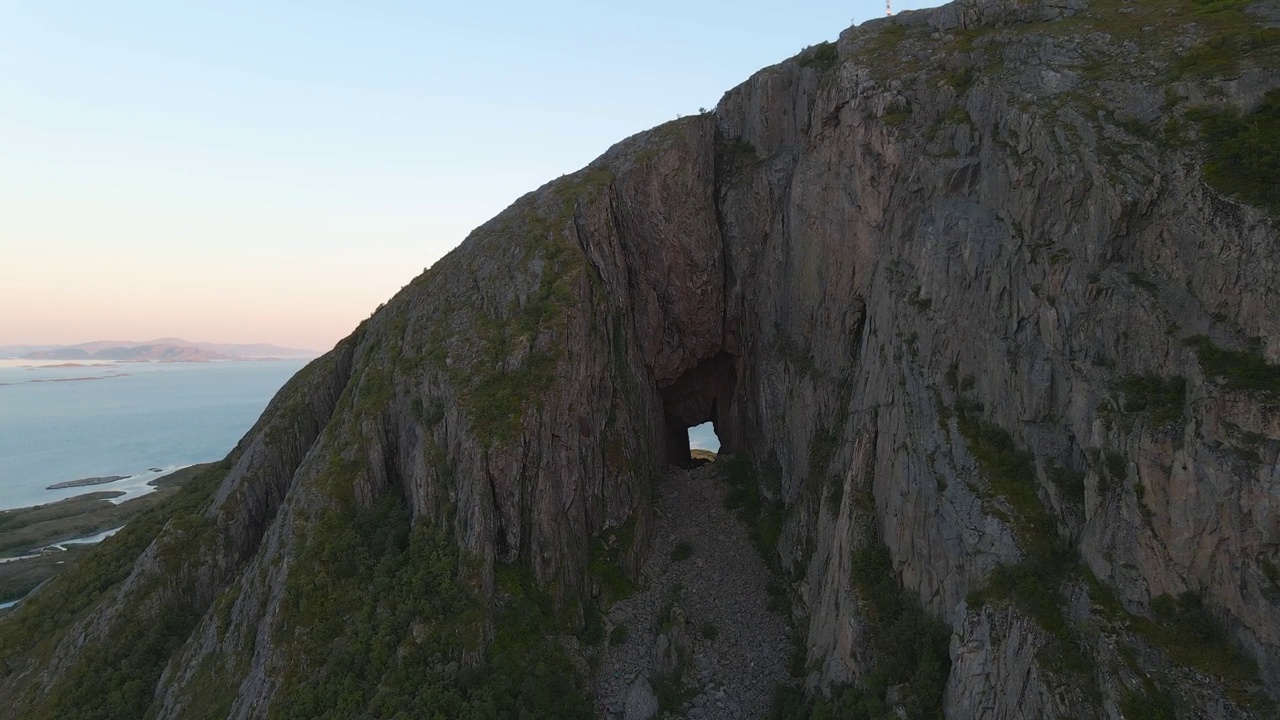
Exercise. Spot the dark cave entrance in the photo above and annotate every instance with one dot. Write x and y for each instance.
(697, 397)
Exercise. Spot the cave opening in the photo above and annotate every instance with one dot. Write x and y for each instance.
(704, 444)
(694, 400)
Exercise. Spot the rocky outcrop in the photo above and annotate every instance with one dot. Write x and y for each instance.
(956, 284)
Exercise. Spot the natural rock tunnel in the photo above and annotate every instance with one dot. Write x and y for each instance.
(698, 396)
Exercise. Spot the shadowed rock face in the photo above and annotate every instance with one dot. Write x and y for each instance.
(921, 275)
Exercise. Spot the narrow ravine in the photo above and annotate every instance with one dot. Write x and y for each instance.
(700, 639)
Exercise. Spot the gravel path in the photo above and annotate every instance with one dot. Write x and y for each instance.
(720, 590)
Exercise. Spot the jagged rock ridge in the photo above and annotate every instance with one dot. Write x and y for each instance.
(961, 285)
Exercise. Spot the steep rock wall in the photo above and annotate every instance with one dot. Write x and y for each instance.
(868, 265)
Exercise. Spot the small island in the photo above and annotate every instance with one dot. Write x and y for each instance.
(86, 481)
(38, 542)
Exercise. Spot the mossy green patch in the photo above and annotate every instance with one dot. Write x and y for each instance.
(1242, 151)
(618, 635)
(1185, 630)
(1033, 587)
(1150, 703)
(1034, 584)
(1241, 370)
(763, 516)
(681, 552)
(606, 564)
(1011, 475)
(822, 56)
(735, 155)
(910, 650)
(1160, 398)
(503, 360)
(378, 619)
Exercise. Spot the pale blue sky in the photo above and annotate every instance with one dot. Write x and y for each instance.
(248, 172)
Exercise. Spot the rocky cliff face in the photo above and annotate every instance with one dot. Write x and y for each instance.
(985, 286)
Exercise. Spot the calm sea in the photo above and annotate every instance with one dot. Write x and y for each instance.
(130, 418)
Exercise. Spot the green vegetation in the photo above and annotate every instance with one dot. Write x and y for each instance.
(1242, 157)
(477, 345)
(592, 631)
(881, 52)
(1115, 469)
(378, 616)
(1246, 444)
(1244, 371)
(1231, 37)
(763, 516)
(710, 631)
(822, 56)
(25, 529)
(737, 155)
(129, 660)
(910, 647)
(19, 578)
(618, 635)
(821, 451)
(1220, 55)
(1070, 482)
(1272, 575)
(898, 113)
(681, 552)
(1137, 279)
(1152, 703)
(1011, 475)
(1184, 629)
(605, 565)
(605, 568)
(496, 402)
(1160, 398)
(921, 304)
(1032, 585)
(672, 691)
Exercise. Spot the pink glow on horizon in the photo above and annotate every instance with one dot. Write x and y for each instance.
(295, 317)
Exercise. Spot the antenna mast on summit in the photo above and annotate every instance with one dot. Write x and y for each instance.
(888, 8)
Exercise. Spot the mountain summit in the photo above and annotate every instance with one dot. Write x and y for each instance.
(984, 302)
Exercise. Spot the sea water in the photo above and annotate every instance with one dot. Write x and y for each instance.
(68, 423)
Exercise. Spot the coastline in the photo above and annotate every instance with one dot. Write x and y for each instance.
(37, 542)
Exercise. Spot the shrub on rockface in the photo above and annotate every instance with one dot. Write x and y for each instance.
(1242, 154)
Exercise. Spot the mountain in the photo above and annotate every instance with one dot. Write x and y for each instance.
(131, 353)
(164, 349)
(13, 351)
(257, 350)
(984, 302)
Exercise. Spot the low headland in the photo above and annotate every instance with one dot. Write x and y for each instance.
(103, 480)
(27, 535)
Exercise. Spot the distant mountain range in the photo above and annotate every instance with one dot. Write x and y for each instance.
(161, 350)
